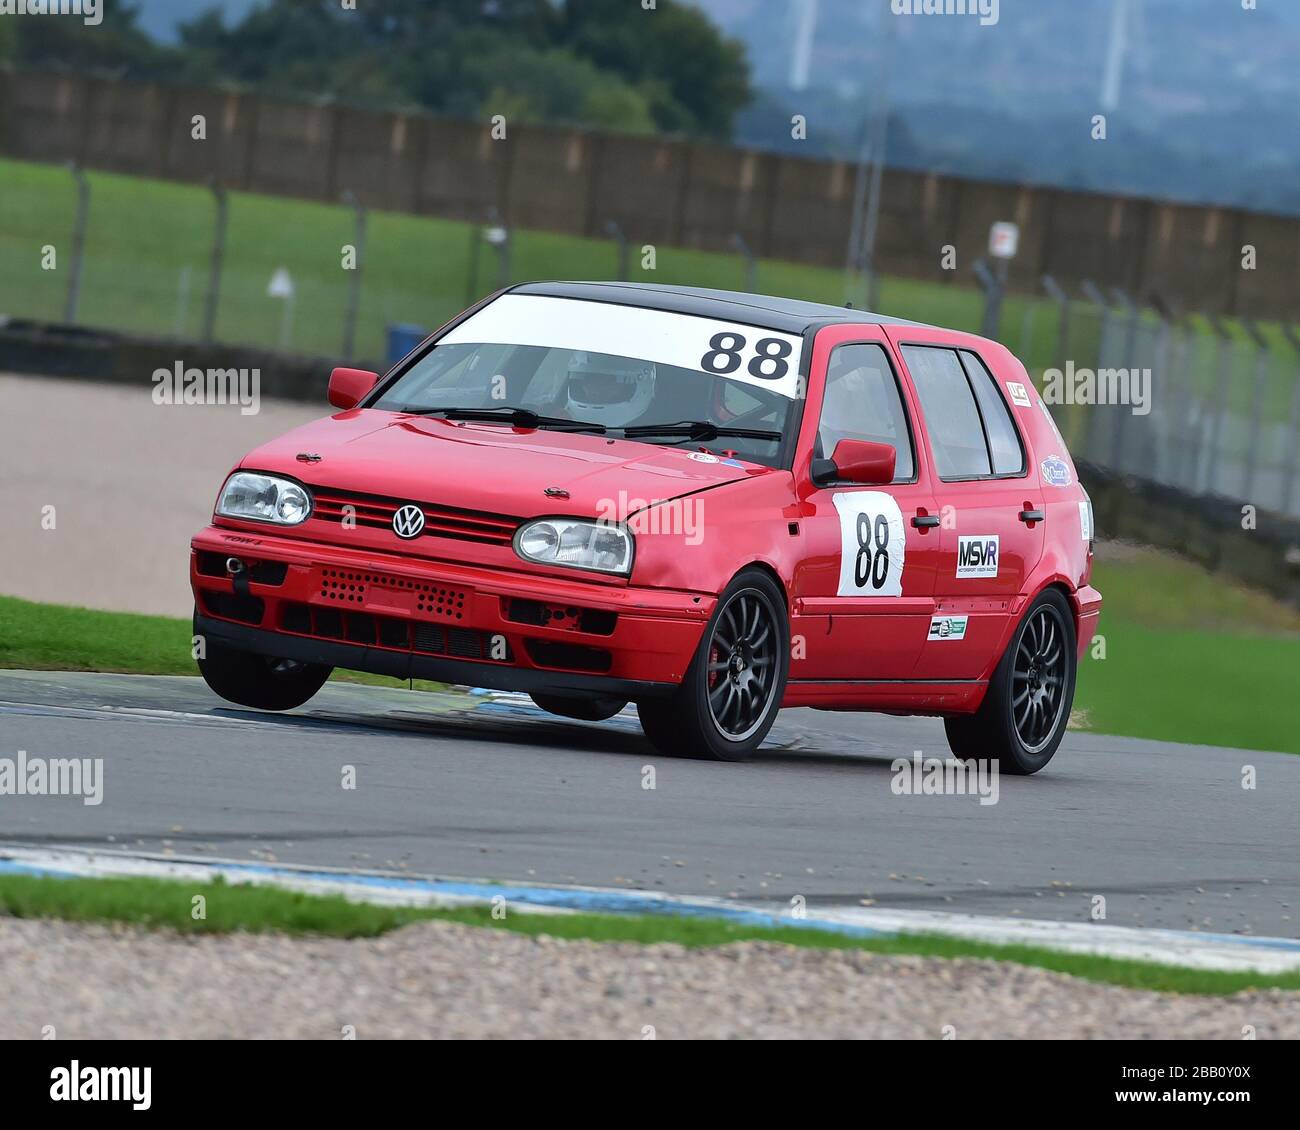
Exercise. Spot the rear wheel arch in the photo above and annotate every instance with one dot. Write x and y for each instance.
(1022, 720)
(1071, 594)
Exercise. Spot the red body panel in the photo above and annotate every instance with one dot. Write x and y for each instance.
(477, 481)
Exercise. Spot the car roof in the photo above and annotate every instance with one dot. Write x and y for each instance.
(789, 315)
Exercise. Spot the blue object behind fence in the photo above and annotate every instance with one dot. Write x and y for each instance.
(402, 339)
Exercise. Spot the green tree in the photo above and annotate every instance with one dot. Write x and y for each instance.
(601, 62)
(695, 78)
(115, 45)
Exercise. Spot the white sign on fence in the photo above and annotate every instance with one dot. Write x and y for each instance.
(1004, 240)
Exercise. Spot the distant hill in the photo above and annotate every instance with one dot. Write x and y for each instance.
(1210, 109)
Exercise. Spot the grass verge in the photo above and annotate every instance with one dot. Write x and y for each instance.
(1189, 656)
(168, 904)
(59, 637)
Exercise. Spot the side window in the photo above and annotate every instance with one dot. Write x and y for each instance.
(951, 414)
(862, 401)
(1004, 442)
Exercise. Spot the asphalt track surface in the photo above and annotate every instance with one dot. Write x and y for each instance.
(450, 785)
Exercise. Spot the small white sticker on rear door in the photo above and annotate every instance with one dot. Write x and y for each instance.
(873, 541)
(1019, 394)
(948, 627)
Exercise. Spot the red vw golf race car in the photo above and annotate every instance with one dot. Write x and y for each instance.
(709, 504)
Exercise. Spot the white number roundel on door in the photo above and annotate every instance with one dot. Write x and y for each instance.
(873, 542)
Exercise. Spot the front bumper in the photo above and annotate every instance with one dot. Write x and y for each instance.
(392, 615)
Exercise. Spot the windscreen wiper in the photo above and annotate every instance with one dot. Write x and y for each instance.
(519, 417)
(702, 430)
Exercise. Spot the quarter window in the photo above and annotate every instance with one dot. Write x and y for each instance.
(951, 414)
(862, 401)
(1007, 455)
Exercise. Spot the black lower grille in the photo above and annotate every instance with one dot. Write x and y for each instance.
(430, 637)
(568, 656)
(394, 633)
(297, 618)
(234, 606)
(390, 632)
(466, 644)
(360, 628)
(328, 623)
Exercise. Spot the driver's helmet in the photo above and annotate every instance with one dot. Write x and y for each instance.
(608, 390)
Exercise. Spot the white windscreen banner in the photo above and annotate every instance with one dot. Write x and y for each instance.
(750, 354)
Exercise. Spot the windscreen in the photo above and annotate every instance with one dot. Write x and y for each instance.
(619, 367)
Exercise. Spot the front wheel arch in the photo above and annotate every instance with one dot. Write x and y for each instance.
(685, 724)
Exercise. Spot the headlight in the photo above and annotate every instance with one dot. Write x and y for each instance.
(264, 498)
(576, 542)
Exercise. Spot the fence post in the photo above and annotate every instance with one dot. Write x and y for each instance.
(497, 236)
(1130, 363)
(218, 251)
(1092, 292)
(1221, 379)
(1262, 363)
(1184, 425)
(1198, 408)
(354, 287)
(471, 270)
(615, 231)
(78, 242)
(1163, 434)
(738, 242)
(1062, 300)
(991, 285)
(1289, 472)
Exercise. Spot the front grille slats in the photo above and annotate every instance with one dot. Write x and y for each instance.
(376, 512)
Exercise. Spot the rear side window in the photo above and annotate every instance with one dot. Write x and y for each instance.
(862, 401)
(1007, 456)
(951, 413)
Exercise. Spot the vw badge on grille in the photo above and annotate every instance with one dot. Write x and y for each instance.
(408, 522)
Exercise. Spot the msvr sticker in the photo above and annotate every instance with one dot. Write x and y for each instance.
(977, 556)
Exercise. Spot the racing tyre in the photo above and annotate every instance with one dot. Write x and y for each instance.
(595, 708)
(1024, 714)
(258, 680)
(733, 688)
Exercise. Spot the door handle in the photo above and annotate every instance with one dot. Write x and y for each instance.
(1032, 516)
(925, 521)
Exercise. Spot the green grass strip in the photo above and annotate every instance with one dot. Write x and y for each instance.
(169, 904)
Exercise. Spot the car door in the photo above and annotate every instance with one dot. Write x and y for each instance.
(989, 537)
(864, 591)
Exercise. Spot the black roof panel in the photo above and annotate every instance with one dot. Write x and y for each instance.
(790, 315)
